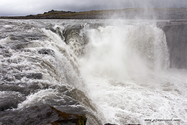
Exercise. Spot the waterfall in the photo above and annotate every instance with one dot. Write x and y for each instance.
(112, 71)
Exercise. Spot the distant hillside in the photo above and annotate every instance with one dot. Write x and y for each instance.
(128, 13)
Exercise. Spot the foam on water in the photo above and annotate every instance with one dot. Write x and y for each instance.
(122, 70)
(125, 69)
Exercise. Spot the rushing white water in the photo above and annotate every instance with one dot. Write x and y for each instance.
(125, 69)
(113, 72)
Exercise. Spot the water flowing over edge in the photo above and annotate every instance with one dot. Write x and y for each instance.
(118, 72)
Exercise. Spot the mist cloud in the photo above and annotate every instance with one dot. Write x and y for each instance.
(25, 7)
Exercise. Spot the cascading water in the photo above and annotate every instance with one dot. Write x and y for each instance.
(112, 72)
(125, 69)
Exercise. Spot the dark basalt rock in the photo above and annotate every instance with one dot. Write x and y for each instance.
(26, 37)
(109, 124)
(19, 45)
(46, 52)
(29, 75)
(177, 43)
(72, 31)
(20, 87)
(23, 40)
(42, 115)
(124, 124)
(5, 53)
(1, 47)
(10, 100)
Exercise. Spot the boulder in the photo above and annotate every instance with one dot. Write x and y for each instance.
(42, 115)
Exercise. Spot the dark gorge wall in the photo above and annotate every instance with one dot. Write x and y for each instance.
(176, 37)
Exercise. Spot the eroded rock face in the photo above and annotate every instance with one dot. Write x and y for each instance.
(42, 115)
(177, 43)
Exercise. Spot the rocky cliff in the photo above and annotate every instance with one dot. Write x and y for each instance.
(176, 37)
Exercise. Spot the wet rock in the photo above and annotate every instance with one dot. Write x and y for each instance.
(10, 100)
(4, 51)
(124, 124)
(34, 76)
(177, 43)
(21, 87)
(58, 31)
(29, 75)
(42, 115)
(1, 47)
(23, 40)
(7, 104)
(26, 37)
(47, 52)
(72, 31)
(65, 118)
(110, 124)
(75, 38)
(19, 45)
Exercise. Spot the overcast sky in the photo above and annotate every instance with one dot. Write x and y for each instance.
(26, 7)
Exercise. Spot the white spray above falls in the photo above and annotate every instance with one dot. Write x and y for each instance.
(115, 51)
(126, 72)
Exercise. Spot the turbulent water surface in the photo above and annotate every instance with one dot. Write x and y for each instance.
(111, 71)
